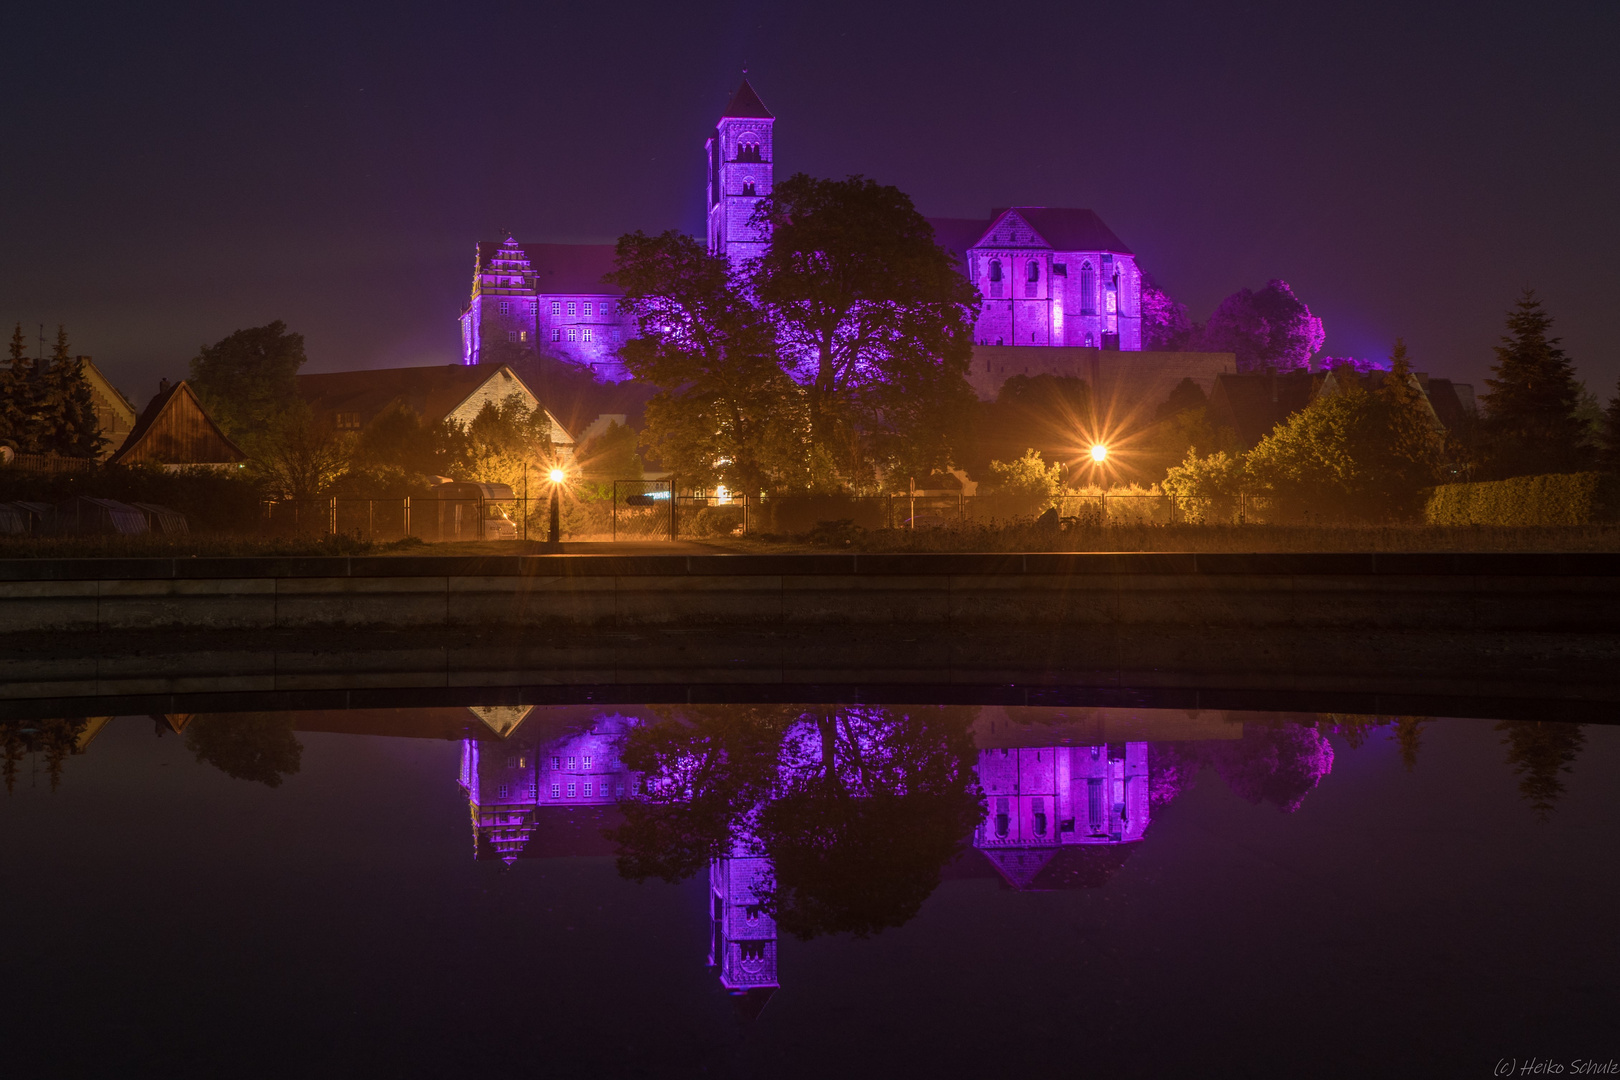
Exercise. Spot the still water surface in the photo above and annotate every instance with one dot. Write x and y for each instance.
(767, 890)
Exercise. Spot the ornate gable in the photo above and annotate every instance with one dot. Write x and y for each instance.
(1010, 229)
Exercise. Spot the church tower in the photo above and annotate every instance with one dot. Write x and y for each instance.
(740, 155)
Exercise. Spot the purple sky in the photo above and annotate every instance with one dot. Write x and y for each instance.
(171, 175)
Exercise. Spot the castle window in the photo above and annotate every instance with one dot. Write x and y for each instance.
(614, 334)
(506, 308)
(748, 187)
(500, 792)
(523, 335)
(556, 335)
(995, 279)
(587, 309)
(570, 791)
(1088, 291)
(556, 791)
(587, 333)
(556, 763)
(585, 762)
(607, 309)
(572, 308)
(748, 149)
(587, 789)
(347, 421)
(511, 335)
(573, 335)
(570, 764)
(556, 307)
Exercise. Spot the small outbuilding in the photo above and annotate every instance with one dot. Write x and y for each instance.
(176, 432)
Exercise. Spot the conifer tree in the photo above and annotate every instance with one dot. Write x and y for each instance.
(1609, 450)
(67, 405)
(1530, 423)
(19, 421)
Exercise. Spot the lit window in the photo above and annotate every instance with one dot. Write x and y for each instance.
(571, 307)
(586, 333)
(570, 791)
(556, 335)
(348, 421)
(556, 307)
(573, 334)
(506, 308)
(523, 335)
(587, 309)
(523, 763)
(556, 791)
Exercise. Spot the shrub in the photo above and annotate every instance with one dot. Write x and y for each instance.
(1554, 499)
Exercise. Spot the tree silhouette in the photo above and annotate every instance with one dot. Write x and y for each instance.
(1539, 752)
(1279, 764)
(248, 746)
(1531, 426)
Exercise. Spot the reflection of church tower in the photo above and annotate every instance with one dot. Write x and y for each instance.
(1058, 816)
(742, 937)
(740, 155)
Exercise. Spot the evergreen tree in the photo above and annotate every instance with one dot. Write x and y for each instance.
(68, 407)
(19, 421)
(1609, 446)
(1531, 426)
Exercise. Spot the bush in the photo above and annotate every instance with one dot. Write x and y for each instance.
(712, 521)
(795, 515)
(1554, 499)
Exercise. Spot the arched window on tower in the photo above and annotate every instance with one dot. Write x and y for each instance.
(995, 277)
(1088, 290)
(1032, 279)
(748, 187)
(748, 149)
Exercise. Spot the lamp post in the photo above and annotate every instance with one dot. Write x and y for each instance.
(557, 478)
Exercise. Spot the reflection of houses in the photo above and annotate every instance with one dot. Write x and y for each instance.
(1056, 816)
(529, 785)
(742, 944)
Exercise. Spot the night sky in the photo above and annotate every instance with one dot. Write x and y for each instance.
(173, 174)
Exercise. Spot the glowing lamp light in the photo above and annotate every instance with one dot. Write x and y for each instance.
(558, 476)
(1099, 453)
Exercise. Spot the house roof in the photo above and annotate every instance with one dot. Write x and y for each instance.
(433, 393)
(175, 429)
(562, 268)
(1251, 404)
(746, 103)
(1064, 228)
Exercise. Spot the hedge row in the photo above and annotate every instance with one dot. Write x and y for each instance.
(1555, 499)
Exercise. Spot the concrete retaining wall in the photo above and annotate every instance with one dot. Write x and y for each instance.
(1420, 591)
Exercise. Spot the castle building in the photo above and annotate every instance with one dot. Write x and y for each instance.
(1049, 276)
(742, 939)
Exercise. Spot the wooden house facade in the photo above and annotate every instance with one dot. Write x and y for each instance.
(176, 431)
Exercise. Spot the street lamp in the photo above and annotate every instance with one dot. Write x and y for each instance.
(1099, 453)
(557, 476)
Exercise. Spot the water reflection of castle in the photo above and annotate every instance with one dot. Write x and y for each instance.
(1054, 816)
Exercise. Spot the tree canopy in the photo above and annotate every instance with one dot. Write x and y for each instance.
(46, 405)
(248, 380)
(1271, 328)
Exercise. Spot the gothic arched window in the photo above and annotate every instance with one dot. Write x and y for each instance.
(995, 277)
(1034, 270)
(1032, 278)
(1088, 290)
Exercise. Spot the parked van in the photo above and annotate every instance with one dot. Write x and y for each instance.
(469, 511)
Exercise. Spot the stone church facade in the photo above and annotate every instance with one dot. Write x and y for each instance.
(1049, 276)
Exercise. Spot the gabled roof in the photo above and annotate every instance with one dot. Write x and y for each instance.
(1064, 228)
(745, 103)
(433, 393)
(1252, 403)
(175, 429)
(562, 268)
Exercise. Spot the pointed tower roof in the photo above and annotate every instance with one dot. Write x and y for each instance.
(746, 103)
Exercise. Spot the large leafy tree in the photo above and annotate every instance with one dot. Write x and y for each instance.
(1165, 324)
(726, 411)
(872, 319)
(1355, 453)
(1531, 426)
(248, 380)
(1271, 328)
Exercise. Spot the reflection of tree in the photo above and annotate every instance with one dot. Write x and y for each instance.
(857, 808)
(1409, 737)
(872, 803)
(1172, 768)
(1538, 752)
(1279, 764)
(1355, 728)
(56, 739)
(248, 746)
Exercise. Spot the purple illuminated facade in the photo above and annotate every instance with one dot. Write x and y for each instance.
(1041, 801)
(1049, 276)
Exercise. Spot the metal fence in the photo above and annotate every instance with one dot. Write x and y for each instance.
(627, 510)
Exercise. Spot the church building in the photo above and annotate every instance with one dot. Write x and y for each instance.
(1049, 276)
